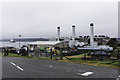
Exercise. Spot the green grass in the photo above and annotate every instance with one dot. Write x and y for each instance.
(16, 55)
(12, 55)
(116, 63)
(108, 63)
(0, 53)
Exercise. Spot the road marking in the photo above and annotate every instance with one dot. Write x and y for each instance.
(87, 73)
(16, 66)
(118, 78)
(13, 63)
(19, 68)
(51, 66)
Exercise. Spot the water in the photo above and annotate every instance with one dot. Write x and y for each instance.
(16, 44)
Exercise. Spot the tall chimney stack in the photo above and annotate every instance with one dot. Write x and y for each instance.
(73, 33)
(58, 29)
(91, 33)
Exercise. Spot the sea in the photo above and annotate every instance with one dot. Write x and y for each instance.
(16, 44)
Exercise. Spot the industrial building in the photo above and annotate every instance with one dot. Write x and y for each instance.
(90, 42)
(68, 45)
(51, 44)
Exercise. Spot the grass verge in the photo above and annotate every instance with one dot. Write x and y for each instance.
(16, 55)
(78, 60)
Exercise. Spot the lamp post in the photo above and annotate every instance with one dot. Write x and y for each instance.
(19, 40)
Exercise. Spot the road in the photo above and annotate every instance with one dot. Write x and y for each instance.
(14, 67)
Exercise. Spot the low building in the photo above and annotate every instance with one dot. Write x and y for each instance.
(52, 44)
(42, 48)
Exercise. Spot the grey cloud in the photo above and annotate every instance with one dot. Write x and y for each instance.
(41, 19)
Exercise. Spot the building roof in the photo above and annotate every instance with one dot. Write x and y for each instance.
(44, 43)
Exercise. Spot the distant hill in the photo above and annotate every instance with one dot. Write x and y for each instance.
(27, 39)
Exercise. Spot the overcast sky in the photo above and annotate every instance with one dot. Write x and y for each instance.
(40, 19)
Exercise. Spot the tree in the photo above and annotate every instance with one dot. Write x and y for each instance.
(113, 43)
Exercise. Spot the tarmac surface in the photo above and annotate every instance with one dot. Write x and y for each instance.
(15, 67)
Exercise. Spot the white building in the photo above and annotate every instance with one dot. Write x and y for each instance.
(51, 44)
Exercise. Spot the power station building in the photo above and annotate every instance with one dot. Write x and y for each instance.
(51, 44)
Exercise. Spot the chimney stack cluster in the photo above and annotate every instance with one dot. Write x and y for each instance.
(73, 34)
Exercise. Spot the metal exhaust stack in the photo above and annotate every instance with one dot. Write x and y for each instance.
(58, 29)
(91, 33)
(73, 34)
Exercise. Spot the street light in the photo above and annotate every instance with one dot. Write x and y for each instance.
(19, 40)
